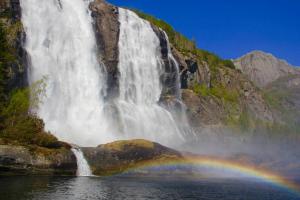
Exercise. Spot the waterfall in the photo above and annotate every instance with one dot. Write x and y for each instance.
(83, 168)
(61, 43)
(62, 47)
(172, 61)
(141, 67)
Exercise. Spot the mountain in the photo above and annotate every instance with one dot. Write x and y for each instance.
(283, 97)
(263, 68)
(279, 82)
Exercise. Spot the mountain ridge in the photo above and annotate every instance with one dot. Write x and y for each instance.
(263, 68)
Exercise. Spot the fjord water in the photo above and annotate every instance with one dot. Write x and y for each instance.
(58, 188)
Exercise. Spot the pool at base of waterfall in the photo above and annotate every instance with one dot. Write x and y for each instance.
(123, 188)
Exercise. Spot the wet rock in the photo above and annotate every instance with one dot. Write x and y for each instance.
(117, 157)
(169, 77)
(21, 160)
(107, 29)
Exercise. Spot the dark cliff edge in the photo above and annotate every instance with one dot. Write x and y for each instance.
(15, 68)
(107, 28)
(169, 78)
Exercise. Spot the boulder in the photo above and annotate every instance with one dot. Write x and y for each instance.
(119, 156)
(29, 160)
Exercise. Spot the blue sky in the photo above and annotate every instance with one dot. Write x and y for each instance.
(231, 28)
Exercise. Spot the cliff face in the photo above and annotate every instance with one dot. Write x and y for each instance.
(283, 96)
(219, 95)
(15, 65)
(214, 92)
(279, 82)
(107, 28)
(263, 68)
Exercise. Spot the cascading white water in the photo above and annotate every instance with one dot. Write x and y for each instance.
(141, 67)
(62, 47)
(173, 60)
(83, 168)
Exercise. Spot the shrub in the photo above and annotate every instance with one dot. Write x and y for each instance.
(201, 89)
(227, 94)
(16, 123)
(21, 126)
(219, 91)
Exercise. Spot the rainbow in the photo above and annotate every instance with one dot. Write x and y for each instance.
(222, 164)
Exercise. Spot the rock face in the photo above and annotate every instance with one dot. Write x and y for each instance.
(107, 28)
(16, 69)
(119, 156)
(263, 68)
(192, 70)
(21, 160)
(169, 77)
(210, 106)
(201, 111)
(284, 97)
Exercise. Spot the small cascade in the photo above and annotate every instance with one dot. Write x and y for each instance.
(83, 168)
(172, 61)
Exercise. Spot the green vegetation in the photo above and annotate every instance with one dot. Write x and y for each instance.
(6, 56)
(185, 45)
(236, 114)
(22, 127)
(219, 91)
(127, 144)
(17, 124)
(177, 39)
(280, 100)
(274, 98)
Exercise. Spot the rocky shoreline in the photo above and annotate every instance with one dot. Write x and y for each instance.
(107, 159)
(28, 160)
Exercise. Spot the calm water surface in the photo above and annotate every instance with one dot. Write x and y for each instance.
(57, 188)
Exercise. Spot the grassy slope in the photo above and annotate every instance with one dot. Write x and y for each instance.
(285, 101)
